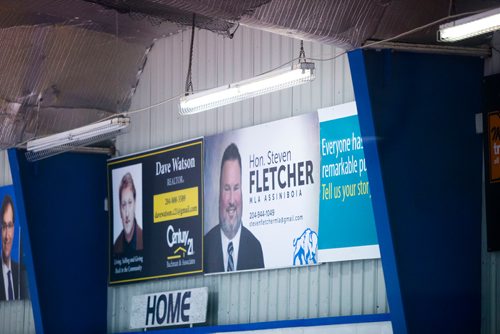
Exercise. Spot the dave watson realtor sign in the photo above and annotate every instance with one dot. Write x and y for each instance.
(170, 308)
(261, 196)
(157, 211)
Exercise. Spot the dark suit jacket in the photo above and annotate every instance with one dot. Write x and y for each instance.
(119, 245)
(17, 280)
(249, 254)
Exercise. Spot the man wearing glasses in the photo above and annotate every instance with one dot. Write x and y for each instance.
(10, 279)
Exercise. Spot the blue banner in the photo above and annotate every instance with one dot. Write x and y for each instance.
(347, 227)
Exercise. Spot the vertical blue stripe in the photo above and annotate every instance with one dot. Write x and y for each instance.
(28, 260)
(363, 102)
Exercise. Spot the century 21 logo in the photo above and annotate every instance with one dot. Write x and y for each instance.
(181, 240)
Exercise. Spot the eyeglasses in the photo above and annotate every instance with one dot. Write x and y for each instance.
(7, 225)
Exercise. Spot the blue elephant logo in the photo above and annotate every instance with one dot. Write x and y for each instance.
(305, 248)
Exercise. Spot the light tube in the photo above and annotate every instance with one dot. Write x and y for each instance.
(78, 135)
(471, 26)
(242, 90)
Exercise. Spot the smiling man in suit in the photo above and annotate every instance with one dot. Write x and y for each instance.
(230, 246)
(11, 284)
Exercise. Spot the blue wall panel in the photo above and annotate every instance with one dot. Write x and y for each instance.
(423, 112)
(68, 227)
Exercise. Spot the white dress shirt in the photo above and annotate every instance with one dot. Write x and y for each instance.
(6, 278)
(236, 247)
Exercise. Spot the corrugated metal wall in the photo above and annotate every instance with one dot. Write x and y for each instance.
(331, 289)
(15, 316)
(5, 176)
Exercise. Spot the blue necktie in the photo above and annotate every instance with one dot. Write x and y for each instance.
(230, 261)
(11, 292)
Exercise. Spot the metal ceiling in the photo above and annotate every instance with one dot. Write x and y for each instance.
(66, 63)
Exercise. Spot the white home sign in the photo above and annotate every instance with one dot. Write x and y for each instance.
(169, 308)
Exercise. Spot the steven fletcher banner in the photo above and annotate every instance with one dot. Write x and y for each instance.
(261, 196)
(156, 213)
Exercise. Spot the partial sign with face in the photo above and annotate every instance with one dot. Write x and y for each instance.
(12, 272)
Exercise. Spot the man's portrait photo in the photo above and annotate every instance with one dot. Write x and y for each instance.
(11, 281)
(127, 210)
(230, 246)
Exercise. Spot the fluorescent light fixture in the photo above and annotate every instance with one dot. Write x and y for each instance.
(470, 26)
(239, 91)
(68, 140)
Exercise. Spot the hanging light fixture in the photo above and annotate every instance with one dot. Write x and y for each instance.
(470, 26)
(239, 91)
(68, 140)
(263, 84)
